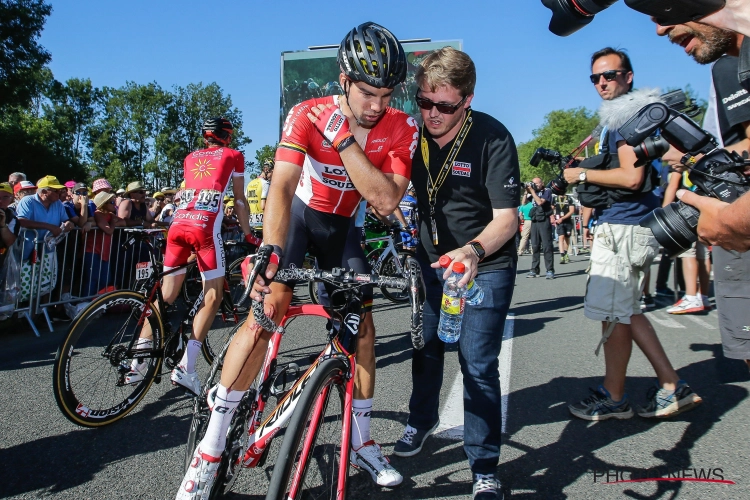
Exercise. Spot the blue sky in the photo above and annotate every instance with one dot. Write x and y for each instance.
(524, 71)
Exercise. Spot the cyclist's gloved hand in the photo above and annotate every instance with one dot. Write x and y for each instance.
(253, 240)
(333, 124)
(268, 259)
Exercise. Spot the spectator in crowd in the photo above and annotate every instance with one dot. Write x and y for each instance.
(44, 211)
(21, 190)
(524, 212)
(15, 178)
(474, 223)
(133, 207)
(622, 253)
(101, 185)
(78, 207)
(564, 211)
(9, 226)
(98, 245)
(541, 228)
(167, 212)
(157, 205)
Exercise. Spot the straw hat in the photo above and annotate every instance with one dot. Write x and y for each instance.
(102, 199)
(134, 186)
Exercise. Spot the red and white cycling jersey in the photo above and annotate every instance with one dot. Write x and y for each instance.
(196, 225)
(324, 184)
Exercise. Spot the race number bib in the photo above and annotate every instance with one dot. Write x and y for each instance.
(256, 220)
(208, 200)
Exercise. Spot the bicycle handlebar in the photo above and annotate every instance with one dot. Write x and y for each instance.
(342, 278)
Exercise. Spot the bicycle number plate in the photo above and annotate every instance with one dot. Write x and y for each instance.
(143, 270)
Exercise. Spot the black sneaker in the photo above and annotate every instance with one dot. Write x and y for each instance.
(486, 487)
(532, 274)
(600, 406)
(649, 302)
(665, 404)
(665, 292)
(411, 442)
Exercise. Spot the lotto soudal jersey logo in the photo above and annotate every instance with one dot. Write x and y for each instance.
(336, 121)
(461, 169)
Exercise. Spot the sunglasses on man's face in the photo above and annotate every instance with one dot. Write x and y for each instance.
(81, 193)
(139, 192)
(446, 109)
(608, 75)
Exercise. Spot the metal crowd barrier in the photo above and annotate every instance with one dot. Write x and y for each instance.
(77, 268)
(25, 246)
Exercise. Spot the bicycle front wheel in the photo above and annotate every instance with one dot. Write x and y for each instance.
(311, 454)
(90, 366)
(395, 269)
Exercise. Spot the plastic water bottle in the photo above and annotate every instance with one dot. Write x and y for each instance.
(452, 306)
(473, 293)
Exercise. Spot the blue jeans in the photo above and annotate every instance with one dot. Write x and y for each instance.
(97, 272)
(479, 348)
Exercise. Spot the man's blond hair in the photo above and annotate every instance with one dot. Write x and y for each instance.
(447, 66)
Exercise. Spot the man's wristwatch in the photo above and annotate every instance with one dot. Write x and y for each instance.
(478, 249)
(582, 176)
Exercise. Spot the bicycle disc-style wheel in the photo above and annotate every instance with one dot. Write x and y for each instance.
(308, 462)
(237, 287)
(389, 268)
(192, 286)
(91, 364)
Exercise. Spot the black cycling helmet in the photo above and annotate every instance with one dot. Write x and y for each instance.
(370, 53)
(219, 128)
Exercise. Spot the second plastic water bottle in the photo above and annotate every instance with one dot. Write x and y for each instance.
(452, 306)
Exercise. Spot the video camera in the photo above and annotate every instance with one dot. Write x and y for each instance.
(719, 173)
(568, 16)
(558, 185)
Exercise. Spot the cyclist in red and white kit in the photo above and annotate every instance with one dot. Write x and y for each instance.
(196, 227)
(333, 151)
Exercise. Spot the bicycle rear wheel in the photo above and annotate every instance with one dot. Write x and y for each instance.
(90, 365)
(389, 268)
(308, 463)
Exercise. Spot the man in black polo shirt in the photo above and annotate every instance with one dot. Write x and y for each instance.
(466, 175)
(541, 229)
(728, 119)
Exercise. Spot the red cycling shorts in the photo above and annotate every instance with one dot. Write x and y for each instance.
(184, 239)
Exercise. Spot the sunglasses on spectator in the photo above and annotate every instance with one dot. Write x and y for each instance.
(81, 193)
(608, 75)
(446, 109)
(140, 191)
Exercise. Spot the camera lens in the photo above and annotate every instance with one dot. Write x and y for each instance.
(673, 227)
(568, 16)
(558, 185)
(650, 149)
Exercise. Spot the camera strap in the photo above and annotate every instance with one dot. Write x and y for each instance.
(434, 185)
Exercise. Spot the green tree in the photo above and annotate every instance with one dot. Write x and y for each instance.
(562, 131)
(21, 56)
(266, 152)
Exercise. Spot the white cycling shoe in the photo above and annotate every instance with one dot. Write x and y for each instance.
(199, 478)
(189, 381)
(370, 458)
(136, 373)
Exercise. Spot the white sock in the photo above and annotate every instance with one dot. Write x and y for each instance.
(215, 440)
(190, 355)
(137, 365)
(361, 411)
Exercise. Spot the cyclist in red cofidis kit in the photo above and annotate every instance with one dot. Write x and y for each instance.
(196, 227)
(333, 151)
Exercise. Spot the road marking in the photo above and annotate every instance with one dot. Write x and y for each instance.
(452, 416)
(704, 324)
(664, 321)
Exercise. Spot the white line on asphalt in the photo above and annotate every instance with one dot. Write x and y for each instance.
(704, 324)
(452, 416)
(664, 321)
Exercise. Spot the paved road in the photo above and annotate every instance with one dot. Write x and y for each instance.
(548, 362)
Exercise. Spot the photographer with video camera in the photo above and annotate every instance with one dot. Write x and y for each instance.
(728, 119)
(621, 255)
(541, 228)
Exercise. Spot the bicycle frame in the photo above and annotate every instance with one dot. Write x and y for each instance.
(389, 250)
(262, 433)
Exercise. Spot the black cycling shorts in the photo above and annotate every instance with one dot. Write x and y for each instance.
(333, 239)
(565, 229)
